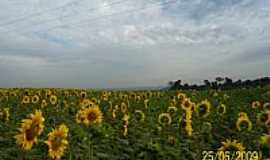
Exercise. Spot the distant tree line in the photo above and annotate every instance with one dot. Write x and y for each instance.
(221, 83)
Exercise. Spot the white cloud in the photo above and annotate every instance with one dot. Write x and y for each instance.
(189, 39)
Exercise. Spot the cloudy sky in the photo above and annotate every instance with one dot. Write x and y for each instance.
(131, 43)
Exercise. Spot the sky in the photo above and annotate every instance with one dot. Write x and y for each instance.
(131, 43)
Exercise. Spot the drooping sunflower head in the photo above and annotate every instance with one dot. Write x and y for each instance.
(4, 114)
(229, 145)
(266, 106)
(265, 139)
(92, 115)
(243, 123)
(255, 104)
(221, 109)
(30, 129)
(123, 107)
(203, 108)
(44, 103)
(264, 117)
(57, 141)
(146, 103)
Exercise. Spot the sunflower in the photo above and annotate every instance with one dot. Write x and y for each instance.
(221, 109)
(146, 103)
(53, 99)
(266, 106)
(94, 100)
(255, 104)
(83, 94)
(203, 108)
(30, 129)
(173, 102)
(13, 94)
(4, 114)
(265, 139)
(114, 111)
(171, 109)
(163, 116)
(80, 116)
(141, 115)
(43, 103)
(123, 107)
(171, 140)
(186, 104)
(137, 98)
(243, 122)
(132, 95)
(125, 126)
(229, 145)
(86, 103)
(26, 100)
(92, 115)
(264, 117)
(35, 99)
(181, 96)
(57, 141)
(48, 93)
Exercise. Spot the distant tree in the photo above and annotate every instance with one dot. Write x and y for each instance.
(207, 83)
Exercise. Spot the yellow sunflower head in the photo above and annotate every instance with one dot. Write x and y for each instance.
(4, 114)
(86, 103)
(57, 142)
(264, 117)
(266, 106)
(53, 99)
(181, 96)
(186, 104)
(139, 115)
(172, 109)
(35, 99)
(255, 104)
(221, 109)
(123, 107)
(265, 139)
(92, 115)
(83, 94)
(146, 103)
(43, 103)
(243, 123)
(203, 108)
(30, 129)
(26, 100)
(229, 145)
(164, 119)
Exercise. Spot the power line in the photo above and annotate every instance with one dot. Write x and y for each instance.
(67, 16)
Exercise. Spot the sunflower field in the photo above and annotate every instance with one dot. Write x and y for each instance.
(76, 124)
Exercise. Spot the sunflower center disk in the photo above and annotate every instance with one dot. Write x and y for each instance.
(91, 116)
(56, 143)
